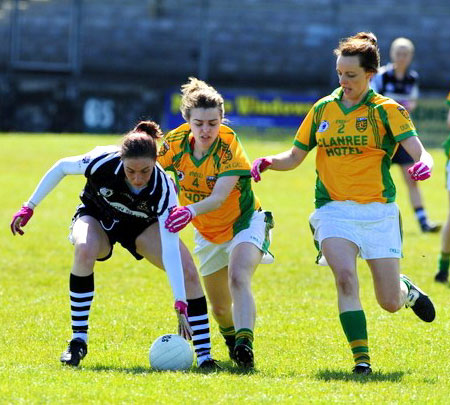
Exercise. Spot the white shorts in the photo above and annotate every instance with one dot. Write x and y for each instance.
(214, 257)
(375, 227)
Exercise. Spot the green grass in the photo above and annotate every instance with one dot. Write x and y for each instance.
(301, 352)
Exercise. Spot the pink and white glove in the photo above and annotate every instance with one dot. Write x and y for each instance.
(184, 329)
(179, 218)
(20, 219)
(258, 166)
(419, 171)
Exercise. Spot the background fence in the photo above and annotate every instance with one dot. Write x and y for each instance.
(99, 65)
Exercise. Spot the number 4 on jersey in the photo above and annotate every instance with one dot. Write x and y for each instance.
(195, 182)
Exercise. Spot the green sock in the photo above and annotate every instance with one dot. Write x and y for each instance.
(228, 334)
(244, 335)
(444, 262)
(227, 331)
(355, 328)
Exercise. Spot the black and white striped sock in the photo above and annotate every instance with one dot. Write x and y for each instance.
(81, 296)
(198, 319)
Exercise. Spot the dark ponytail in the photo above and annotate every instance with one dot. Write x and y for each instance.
(141, 141)
(150, 128)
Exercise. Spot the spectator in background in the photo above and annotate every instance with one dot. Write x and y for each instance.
(397, 81)
(444, 257)
(356, 132)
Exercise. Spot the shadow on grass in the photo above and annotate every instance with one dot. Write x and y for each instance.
(334, 375)
(226, 367)
(128, 370)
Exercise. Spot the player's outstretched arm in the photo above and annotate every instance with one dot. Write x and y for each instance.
(180, 217)
(421, 170)
(63, 167)
(171, 259)
(287, 160)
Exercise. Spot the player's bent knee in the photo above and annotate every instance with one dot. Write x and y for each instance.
(346, 281)
(389, 305)
(220, 310)
(85, 253)
(190, 274)
(238, 279)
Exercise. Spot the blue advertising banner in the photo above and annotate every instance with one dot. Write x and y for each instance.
(249, 109)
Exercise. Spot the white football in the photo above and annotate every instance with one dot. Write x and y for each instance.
(171, 352)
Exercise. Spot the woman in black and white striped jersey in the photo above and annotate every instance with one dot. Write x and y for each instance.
(126, 199)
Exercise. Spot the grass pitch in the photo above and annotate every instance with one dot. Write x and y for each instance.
(301, 352)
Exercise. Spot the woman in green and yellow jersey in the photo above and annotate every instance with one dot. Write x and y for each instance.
(356, 132)
(444, 258)
(232, 233)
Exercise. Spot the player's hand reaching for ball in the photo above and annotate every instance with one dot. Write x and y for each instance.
(184, 329)
(179, 218)
(258, 166)
(21, 218)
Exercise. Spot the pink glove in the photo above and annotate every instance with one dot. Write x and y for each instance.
(258, 166)
(20, 219)
(184, 329)
(419, 171)
(179, 218)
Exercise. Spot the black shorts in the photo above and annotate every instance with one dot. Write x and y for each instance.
(402, 157)
(122, 231)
